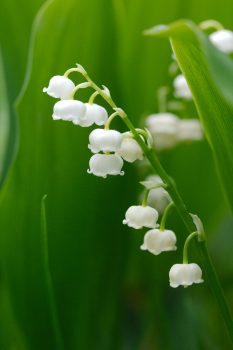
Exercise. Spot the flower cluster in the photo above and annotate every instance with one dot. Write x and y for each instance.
(168, 130)
(111, 148)
(158, 239)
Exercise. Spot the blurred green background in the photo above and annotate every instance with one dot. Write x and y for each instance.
(109, 294)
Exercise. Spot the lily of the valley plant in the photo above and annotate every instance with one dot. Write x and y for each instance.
(112, 148)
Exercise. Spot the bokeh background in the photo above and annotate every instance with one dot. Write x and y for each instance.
(109, 295)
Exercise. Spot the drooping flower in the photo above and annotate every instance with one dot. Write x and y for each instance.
(181, 88)
(158, 198)
(163, 128)
(223, 40)
(138, 216)
(105, 164)
(104, 140)
(157, 241)
(70, 110)
(190, 130)
(94, 114)
(60, 87)
(130, 149)
(185, 275)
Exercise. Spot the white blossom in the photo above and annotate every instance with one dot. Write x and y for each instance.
(105, 164)
(157, 241)
(130, 149)
(185, 275)
(190, 130)
(181, 87)
(223, 40)
(158, 198)
(163, 128)
(138, 216)
(94, 114)
(71, 110)
(104, 140)
(60, 87)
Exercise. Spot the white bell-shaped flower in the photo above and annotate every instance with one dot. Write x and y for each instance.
(190, 130)
(158, 198)
(94, 114)
(163, 128)
(138, 216)
(60, 87)
(181, 88)
(157, 241)
(105, 164)
(130, 149)
(185, 275)
(104, 140)
(223, 40)
(70, 110)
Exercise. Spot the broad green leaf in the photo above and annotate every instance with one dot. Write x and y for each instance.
(209, 74)
(15, 24)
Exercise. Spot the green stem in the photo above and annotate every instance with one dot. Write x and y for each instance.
(162, 99)
(78, 87)
(145, 198)
(216, 287)
(165, 214)
(186, 244)
(48, 279)
(211, 23)
(110, 119)
(143, 133)
(211, 275)
(92, 97)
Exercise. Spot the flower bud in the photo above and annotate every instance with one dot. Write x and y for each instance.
(94, 114)
(185, 275)
(190, 130)
(104, 140)
(138, 216)
(130, 149)
(157, 241)
(70, 110)
(60, 87)
(181, 88)
(163, 128)
(223, 40)
(105, 164)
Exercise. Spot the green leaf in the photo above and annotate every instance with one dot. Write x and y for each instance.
(48, 278)
(4, 123)
(209, 74)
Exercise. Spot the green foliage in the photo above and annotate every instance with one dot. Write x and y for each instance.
(108, 294)
(210, 75)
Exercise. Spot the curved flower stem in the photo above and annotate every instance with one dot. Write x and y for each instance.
(208, 267)
(185, 249)
(165, 214)
(110, 119)
(92, 97)
(211, 23)
(80, 86)
(143, 133)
